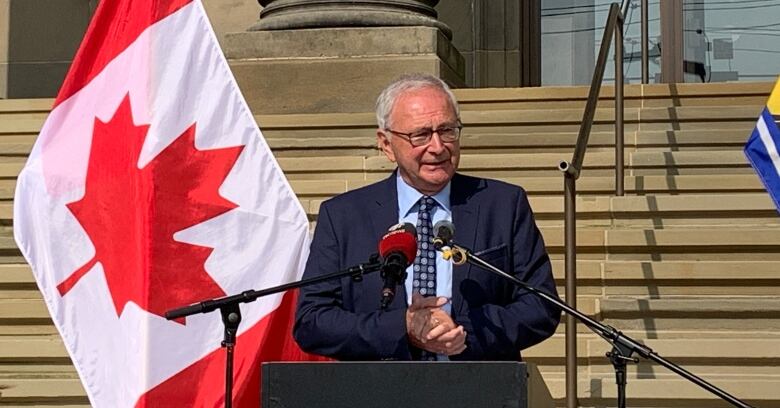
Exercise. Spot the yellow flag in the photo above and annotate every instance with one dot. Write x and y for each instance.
(774, 99)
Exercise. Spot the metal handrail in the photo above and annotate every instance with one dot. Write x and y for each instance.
(572, 170)
(645, 43)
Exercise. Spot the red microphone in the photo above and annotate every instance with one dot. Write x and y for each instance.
(398, 249)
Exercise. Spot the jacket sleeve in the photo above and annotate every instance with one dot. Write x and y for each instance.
(324, 323)
(501, 329)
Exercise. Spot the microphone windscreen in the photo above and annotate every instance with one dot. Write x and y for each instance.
(445, 230)
(399, 241)
(405, 226)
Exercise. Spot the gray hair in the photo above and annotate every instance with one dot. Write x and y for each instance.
(387, 99)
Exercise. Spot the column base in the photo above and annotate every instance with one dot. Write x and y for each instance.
(331, 70)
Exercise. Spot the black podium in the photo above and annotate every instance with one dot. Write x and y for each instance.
(393, 384)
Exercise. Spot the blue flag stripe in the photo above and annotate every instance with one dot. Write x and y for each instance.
(761, 151)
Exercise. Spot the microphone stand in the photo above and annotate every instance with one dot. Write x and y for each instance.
(231, 313)
(623, 346)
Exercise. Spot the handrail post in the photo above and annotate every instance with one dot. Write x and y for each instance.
(572, 171)
(619, 148)
(645, 43)
(570, 231)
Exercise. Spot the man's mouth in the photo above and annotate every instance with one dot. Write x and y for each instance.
(439, 163)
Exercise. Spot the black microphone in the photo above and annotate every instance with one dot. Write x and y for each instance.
(443, 232)
(398, 249)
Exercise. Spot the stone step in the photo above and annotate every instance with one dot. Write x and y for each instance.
(682, 94)
(648, 211)
(26, 105)
(590, 184)
(668, 302)
(312, 126)
(33, 349)
(671, 140)
(350, 125)
(610, 278)
(484, 143)
(23, 311)
(661, 211)
(43, 391)
(595, 242)
(688, 278)
(502, 165)
(313, 192)
(728, 94)
(672, 392)
(705, 243)
(753, 210)
(593, 392)
(749, 354)
(759, 315)
(499, 165)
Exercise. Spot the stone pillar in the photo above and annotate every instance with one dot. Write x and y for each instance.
(500, 40)
(316, 56)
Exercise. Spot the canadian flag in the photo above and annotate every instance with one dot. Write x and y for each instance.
(150, 187)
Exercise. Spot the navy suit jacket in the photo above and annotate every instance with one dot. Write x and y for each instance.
(342, 318)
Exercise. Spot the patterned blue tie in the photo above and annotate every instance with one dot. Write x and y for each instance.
(424, 277)
(424, 281)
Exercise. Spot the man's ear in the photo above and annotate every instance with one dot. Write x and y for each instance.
(383, 143)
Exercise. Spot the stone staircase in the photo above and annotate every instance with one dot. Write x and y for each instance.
(687, 261)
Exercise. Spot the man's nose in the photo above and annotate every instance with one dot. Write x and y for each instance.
(435, 145)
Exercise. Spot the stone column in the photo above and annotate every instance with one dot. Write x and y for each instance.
(312, 56)
(294, 14)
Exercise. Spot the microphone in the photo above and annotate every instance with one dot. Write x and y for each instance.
(444, 231)
(398, 249)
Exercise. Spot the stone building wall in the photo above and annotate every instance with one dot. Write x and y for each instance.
(38, 39)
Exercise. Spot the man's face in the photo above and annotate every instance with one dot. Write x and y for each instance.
(430, 167)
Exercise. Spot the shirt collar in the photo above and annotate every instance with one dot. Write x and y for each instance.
(408, 196)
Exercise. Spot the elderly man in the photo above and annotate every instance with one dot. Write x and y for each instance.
(443, 311)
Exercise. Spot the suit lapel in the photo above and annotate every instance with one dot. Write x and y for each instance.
(384, 214)
(465, 217)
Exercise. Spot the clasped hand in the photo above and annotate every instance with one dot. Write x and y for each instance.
(430, 328)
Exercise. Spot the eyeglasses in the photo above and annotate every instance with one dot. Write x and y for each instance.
(447, 134)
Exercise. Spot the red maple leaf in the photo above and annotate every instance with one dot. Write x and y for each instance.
(131, 214)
